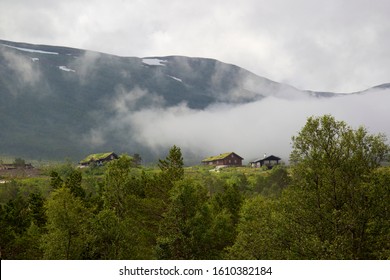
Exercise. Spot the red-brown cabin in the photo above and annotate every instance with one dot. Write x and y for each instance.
(229, 159)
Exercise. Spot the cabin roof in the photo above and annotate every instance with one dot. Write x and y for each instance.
(271, 157)
(221, 156)
(96, 157)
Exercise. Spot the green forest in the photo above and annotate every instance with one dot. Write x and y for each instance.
(332, 201)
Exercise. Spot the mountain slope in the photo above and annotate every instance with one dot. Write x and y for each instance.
(54, 100)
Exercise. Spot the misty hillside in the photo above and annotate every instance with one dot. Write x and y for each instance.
(59, 102)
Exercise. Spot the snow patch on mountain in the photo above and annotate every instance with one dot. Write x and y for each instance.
(66, 69)
(154, 61)
(30, 50)
(175, 78)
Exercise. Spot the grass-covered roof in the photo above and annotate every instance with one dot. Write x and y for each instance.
(221, 156)
(96, 157)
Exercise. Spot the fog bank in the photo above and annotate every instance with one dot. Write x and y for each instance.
(252, 129)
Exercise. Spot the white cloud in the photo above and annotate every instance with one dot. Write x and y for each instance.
(24, 69)
(126, 101)
(253, 129)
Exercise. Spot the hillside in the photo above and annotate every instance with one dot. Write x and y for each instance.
(54, 100)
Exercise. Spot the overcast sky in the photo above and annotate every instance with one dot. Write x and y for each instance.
(333, 45)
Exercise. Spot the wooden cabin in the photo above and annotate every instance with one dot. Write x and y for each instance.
(99, 159)
(11, 166)
(228, 159)
(269, 161)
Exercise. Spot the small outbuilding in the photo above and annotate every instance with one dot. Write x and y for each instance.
(228, 159)
(269, 161)
(99, 159)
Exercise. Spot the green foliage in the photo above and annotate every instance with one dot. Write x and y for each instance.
(119, 183)
(332, 203)
(329, 199)
(19, 162)
(272, 183)
(55, 180)
(172, 165)
(184, 230)
(118, 238)
(259, 235)
(36, 208)
(21, 225)
(73, 182)
(230, 199)
(67, 234)
(331, 144)
(61, 169)
(376, 245)
(137, 159)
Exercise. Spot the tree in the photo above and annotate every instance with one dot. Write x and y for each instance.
(14, 221)
(329, 200)
(119, 183)
(67, 234)
(36, 207)
(22, 222)
(259, 235)
(118, 238)
(55, 180)
(127, 208)
(378, 245)
(158, 187)
(225, 211)
(172, 165)
(137, 159)
(273, 184)
(230, 199)
(19, 162)
(73, 182)
(184, 232)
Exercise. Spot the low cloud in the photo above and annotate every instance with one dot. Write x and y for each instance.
(23, 67)
(255, 128)
(96, 137)
(137, 118)
(86, 66)
(117, 126)
(26, 76)
(130, 100)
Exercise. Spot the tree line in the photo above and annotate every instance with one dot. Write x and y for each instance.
(332, 202)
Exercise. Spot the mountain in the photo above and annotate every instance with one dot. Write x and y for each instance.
(54, 100)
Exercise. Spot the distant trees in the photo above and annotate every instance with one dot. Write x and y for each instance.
(19, 162)
(22, 221)
(137, 159)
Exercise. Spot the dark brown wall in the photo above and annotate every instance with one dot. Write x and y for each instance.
(232, 160)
